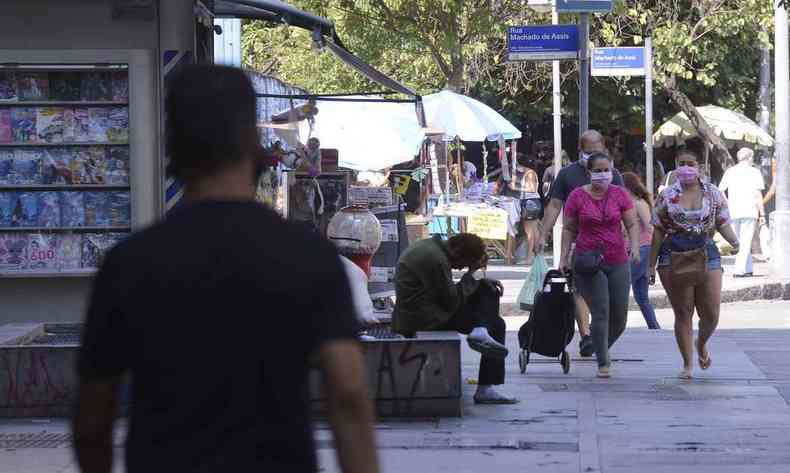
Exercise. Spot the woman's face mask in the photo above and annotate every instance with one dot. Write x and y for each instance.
(687, 174)
(600, 179)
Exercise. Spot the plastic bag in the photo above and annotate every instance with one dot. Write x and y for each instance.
(765, 241)
(533, 283)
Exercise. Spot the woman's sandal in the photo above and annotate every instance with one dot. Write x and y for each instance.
(685, 374)
(704, 363)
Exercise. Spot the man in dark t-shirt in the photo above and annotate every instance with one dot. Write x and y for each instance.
(570, 178)
(216, 313)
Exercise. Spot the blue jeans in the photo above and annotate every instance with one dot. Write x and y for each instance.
(640, 284)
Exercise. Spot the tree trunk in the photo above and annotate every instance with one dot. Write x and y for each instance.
(765, 90)
(457, 82)
(681, 100)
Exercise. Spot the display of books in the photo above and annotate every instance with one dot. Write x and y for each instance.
(53, 151)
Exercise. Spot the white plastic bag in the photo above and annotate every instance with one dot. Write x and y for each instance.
(533, 283)
(360, 299)
(765, 241)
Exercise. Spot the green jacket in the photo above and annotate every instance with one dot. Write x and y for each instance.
(426, 295)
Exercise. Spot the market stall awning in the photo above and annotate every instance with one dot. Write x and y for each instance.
(369, 136)
(323, 32)
(731, 126)
(466, 118)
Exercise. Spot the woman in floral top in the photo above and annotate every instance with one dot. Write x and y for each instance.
(688, 214)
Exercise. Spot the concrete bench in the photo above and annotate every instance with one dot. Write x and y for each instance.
(409, 377)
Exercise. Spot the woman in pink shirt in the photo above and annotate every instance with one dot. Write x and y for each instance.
(593, 217)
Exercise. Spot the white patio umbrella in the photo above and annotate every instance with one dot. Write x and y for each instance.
(369, 136)
(466, 118)
(729, 125)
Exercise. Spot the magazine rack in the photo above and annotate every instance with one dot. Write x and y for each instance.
(65, 165)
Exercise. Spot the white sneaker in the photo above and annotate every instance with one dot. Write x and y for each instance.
(603, 372)
(489, 395)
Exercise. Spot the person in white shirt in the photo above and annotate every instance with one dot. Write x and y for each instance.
(744, 185)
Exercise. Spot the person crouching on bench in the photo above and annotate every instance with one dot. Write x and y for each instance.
(427, 299)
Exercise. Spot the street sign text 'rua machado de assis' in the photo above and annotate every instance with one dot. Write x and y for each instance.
(542, 43)
(618, 61)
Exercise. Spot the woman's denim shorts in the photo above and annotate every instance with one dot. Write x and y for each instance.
(714, 257)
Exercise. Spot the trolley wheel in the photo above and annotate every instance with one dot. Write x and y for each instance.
(565, 360)
(523, 360)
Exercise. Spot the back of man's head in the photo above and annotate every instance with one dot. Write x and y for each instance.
(745, 154)
(211, 120)
(466, 249)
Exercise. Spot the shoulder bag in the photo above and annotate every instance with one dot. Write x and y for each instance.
(688, 264)
(589, 262)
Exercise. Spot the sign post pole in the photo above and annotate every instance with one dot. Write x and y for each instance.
(557, 105)
(649, 115)
(584, 73)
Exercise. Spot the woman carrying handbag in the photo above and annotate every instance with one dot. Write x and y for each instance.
(594, 215)
(687, 215)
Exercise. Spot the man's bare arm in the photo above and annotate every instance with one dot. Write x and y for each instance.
(92, 426)
(350, 409)
(549, 219)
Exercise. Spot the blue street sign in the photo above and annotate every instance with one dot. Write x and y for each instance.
(618, 62)
(584, 6)
(542, 43)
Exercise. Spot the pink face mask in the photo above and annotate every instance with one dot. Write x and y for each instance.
(687, 174)
(601, 179)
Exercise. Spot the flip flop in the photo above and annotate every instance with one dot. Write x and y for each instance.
(685, 374)
(704, 363)
(488, 349)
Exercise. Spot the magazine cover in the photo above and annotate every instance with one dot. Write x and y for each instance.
(8, 87)
(26, 167)
(99, 122)
(96, 87)
(119, 208)
(56, 166)
(49, 124)
(8, 202)
(6, 136)
(13, 251)
(88, 165)
(48, 209)
(96, 209)
(6, 164)
(23, 125)
(118, 165)
(118, 130)
(42, 251)
(33, 86)
(26, 211)
(65, 86)
(82, 129)
(95, 246)
(68, 125)
(72, 209)
(120, 86)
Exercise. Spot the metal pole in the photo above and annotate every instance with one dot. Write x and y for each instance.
(781, 245)
(584, 73)
(649, 114)
(557, 102)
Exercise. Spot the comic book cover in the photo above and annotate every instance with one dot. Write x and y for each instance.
(23, 125)
(26, 167)
(13, 251)
(69, 251)
(96, 209)
(28, 204)
(68, 125)
(6, 164)
(88, 165)
(33, 86)
(118, 130)
(6, 135)
(42, 251)
(118, 165)
(8, 202)
(99, 122)
(120, 86)
(119, 208)
(72, 209)
(95, 246)
(65, 86)
(49, 124)
(96, 87)
(56, 166)
(48, 209)
(8, 87)
(82, 129)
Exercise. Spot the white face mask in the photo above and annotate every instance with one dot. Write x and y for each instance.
(583, 157)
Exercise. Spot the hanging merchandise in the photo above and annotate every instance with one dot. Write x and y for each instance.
(485, 164)
(513, 156)
(437, 187)
(503, 158)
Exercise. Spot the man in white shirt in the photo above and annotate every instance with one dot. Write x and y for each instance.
(744, 185)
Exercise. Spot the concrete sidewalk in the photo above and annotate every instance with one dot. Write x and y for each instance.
(734, 418)
(759, 287)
